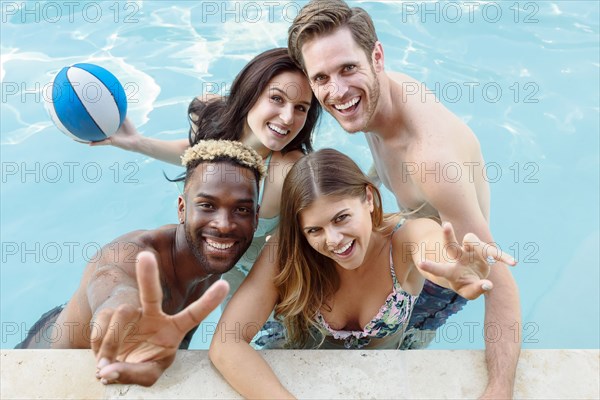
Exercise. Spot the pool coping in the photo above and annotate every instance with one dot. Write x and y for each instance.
(333, 374)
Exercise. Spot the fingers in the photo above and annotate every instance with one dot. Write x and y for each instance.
(114, 333)
(450, 243)
(104, 142)
(440, 270)
(148, 279)
(198, 310)
(476, 289)
(145, 374)
(449, 235)
(99, 328)
(489, 251)
(498, 255)
(471, 242)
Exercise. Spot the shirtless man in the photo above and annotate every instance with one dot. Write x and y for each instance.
(140, 295)
(411, 141)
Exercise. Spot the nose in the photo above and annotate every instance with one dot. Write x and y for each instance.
(336, 88)
(287, 114)
(333, 237)
(222, 221)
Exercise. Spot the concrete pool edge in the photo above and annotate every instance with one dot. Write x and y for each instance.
(557, 374)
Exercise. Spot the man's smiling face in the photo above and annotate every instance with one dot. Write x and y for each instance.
(343, 79)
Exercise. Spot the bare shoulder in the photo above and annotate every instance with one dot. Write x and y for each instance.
(121, 253)
(413, 230)
(400, 78)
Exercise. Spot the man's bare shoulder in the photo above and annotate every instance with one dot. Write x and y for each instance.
(122, 250)
(435, 132)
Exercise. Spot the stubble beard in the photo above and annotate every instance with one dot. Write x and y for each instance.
(373, 94)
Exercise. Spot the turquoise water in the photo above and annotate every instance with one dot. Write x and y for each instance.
(523, 75)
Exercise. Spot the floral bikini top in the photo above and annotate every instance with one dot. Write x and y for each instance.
(392, 318)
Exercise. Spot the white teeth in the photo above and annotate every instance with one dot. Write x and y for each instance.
(343, 249)
(217, 245)
(347, 105)
(278, 130)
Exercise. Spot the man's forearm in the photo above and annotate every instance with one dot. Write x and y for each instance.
(503, 333)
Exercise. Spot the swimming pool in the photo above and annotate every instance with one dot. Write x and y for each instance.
(524, 75)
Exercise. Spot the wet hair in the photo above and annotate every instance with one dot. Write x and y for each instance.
(307, 279)
(213, 151)
(225, 118)
(323, 17)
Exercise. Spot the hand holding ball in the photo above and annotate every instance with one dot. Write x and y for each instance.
(88, 103)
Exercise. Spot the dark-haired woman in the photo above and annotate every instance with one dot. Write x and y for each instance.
(270, 108)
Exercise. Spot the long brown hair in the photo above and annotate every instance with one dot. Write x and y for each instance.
(225, 118)
(307, 279)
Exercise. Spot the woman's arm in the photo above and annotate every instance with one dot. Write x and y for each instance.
(230, 351)
(437, 256)
(128, 138)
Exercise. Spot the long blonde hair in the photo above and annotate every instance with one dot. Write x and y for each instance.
(307, 279)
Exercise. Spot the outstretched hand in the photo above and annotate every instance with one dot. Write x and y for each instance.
(124, 138)
(135, 345)
(473, 260)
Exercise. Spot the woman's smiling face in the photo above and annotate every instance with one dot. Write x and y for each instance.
(339, 228)
(281, 110)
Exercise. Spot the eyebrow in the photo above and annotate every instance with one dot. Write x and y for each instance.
(332, 219)
(285, 94)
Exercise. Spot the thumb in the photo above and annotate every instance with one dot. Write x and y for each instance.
(193, 314)
(103, 142)
(145, 373)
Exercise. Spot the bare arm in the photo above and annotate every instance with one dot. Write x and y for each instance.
(457, 203)
(230, 351)
(128, 138)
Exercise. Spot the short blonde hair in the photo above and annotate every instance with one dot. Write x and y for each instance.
(224, 150)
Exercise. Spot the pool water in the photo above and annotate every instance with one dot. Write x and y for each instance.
(523, 75)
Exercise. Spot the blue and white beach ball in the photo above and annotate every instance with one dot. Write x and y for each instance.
(88, 103)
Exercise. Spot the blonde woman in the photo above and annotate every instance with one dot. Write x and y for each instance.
(344, 276)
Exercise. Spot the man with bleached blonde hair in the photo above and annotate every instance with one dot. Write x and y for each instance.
(144, 294)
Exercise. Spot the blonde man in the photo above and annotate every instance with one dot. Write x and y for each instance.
(141, 295)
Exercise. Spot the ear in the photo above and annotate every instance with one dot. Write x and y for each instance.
(370, 197)
(377, 57)
(181, 209)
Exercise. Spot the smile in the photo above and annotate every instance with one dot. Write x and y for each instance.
(277, 129)
(343, 250)
(218, 245)
(347, 105)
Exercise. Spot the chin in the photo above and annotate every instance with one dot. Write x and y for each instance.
(353, 126)
(216, 268)
(352, 129)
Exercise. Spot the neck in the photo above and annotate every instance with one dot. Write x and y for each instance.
(386, 118)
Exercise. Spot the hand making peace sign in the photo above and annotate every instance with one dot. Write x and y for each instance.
(135, 345)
